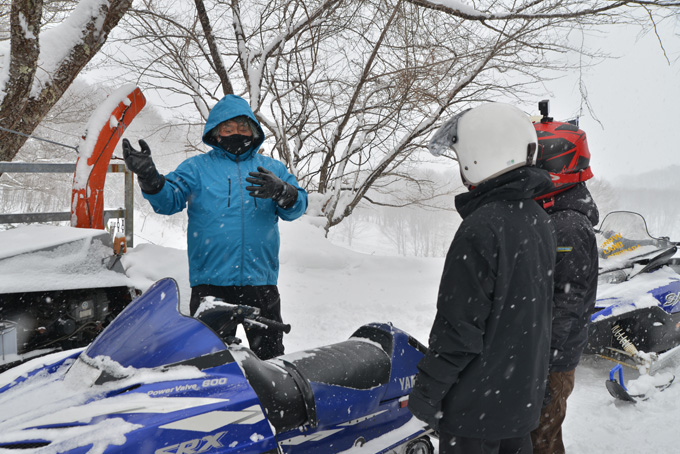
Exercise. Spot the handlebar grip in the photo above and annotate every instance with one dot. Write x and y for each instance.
(285, 327)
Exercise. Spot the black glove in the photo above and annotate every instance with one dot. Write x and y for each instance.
(140, 163)
(271, 187)
(423, 409)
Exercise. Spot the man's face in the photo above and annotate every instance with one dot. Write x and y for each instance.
(234, 126)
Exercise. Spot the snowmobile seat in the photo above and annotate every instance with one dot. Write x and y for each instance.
(284, 387)
(356, 367)
(281, 393)
(354, 363)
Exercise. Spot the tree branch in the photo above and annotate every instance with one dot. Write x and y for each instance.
(227, 89)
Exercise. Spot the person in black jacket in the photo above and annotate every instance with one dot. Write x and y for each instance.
(482, 381)
(563, 151)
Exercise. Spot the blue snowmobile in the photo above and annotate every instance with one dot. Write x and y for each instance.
(156, 381)
(637, 313)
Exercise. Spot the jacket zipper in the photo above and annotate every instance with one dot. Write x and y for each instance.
(243, 215)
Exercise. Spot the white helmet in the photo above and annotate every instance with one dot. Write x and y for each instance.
(489, 140)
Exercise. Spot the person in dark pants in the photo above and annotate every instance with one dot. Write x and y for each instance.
(235, 197)
(265, 342)
(563, 151)
(482, 380)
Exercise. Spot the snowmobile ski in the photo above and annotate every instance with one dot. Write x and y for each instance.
(618, 389)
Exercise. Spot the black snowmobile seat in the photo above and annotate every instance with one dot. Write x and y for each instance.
(283, 384)
(355, 364)
(280, 393)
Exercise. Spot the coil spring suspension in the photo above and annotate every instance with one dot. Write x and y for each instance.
(620, 336)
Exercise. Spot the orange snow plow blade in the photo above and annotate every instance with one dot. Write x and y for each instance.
(105, 127)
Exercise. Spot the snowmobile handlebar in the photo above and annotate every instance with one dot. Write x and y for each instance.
(285, 327)
(223, 317)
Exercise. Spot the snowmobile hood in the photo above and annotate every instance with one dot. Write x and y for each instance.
(646, 290)
(116, 393)
(229, 107)
(155, 322)
(182, 404)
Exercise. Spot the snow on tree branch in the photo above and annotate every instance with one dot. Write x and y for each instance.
(538, 9)
(42, 64)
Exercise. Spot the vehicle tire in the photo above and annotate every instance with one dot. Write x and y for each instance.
(421, 445)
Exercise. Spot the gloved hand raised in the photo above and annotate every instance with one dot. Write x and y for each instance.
(140, 163)
(269, 186)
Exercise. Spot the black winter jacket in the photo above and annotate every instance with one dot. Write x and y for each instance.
(574, 214)
(487, 360)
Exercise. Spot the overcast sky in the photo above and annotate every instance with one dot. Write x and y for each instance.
(635, 97)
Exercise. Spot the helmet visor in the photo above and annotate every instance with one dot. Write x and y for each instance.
(446, 136)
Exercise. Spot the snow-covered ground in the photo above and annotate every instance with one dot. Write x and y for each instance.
(329, 291)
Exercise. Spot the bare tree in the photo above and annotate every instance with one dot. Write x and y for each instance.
(349, 91)
(49, 44)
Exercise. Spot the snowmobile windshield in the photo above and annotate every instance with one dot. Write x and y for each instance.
(624, 241)
(151, 332)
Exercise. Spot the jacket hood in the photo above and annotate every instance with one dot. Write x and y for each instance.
(229, 107)
(577, 198)
(523, 183)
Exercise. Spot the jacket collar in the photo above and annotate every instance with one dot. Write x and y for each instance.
(237, 158)
(577, 198)
(519, 184)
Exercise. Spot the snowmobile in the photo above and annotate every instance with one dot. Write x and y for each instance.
(157, 381)
(636, 322)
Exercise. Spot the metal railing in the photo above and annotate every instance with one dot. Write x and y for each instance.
(30, 167)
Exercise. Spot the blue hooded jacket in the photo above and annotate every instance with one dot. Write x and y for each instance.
(233, 238)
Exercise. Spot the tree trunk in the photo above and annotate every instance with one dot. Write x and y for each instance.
(20, 109)
(25, 17)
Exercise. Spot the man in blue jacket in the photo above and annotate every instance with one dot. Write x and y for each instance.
(235, 197)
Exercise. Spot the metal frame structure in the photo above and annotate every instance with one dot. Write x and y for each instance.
(29, 167)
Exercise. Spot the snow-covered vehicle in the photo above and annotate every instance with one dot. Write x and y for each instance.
(158, 381)
(637, 314)
(60, 287)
